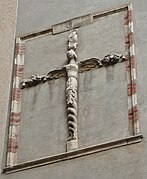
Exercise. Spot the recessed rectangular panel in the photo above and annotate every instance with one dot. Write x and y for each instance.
(45, 54)
(50, 113)
(43, 121)
(104, 36)
(102, 114)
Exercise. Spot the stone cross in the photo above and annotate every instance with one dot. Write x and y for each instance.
(71, 71)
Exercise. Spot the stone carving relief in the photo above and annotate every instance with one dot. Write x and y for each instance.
(110, 59)
(71, 71)
(34, 80)
(71, 86)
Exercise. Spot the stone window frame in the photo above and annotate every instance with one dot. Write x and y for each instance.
(133, 120)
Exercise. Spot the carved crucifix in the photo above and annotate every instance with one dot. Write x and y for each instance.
(71, 71)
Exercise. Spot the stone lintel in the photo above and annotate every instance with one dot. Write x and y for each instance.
(73, 23)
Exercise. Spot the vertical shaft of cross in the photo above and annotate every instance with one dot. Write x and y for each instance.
(71, 91)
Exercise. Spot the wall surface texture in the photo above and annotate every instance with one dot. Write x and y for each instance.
(102, 111)
(8, 10)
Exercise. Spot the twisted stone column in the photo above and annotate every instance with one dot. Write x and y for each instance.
(71, 91)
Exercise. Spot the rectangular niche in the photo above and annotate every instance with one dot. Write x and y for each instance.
(107, 96)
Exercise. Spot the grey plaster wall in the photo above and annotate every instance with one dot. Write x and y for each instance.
(47, 52)
(127, 162)
(7, 35)
(51, 12)
(99, 120)
(102, 37)
(122, 163)
(43, 130)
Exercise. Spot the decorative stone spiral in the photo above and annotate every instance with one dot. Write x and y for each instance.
(71, 99)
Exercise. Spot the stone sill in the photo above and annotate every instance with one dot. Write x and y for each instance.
(73, 154)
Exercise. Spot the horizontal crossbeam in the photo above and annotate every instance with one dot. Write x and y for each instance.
(85, 65)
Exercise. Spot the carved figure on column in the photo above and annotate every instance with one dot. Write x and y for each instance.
(71, 89)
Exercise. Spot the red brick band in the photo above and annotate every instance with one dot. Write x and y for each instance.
(131, 73)
(16, 104)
